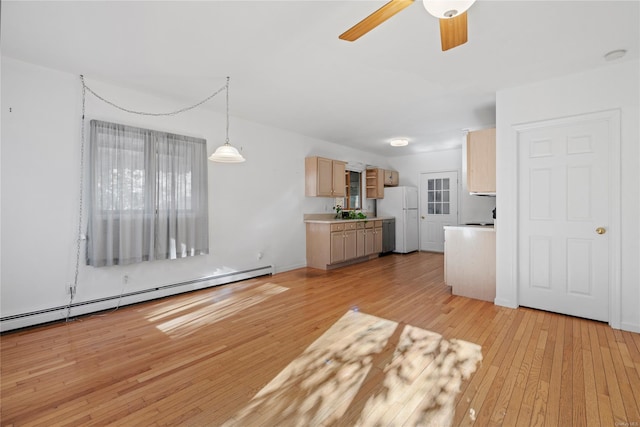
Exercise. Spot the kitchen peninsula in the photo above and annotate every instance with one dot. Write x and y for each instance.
(470, 261)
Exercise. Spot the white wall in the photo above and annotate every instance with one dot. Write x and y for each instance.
(254, 207)
(470, 208)
(606, 88)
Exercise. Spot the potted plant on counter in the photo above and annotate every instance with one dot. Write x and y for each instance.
(338, 210)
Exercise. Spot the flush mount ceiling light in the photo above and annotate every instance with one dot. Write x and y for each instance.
(227, 153)
(615, 54)
(400, 142)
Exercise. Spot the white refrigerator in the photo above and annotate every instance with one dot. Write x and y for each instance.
(402, 203)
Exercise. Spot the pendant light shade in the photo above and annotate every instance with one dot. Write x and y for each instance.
(227, 153)
(444, 9)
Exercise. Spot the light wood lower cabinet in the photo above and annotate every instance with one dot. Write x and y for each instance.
(360, 238)
(334, 244)
(337, 247)
(343, 245)
(377, 238)
(373, 237)
(369, 240)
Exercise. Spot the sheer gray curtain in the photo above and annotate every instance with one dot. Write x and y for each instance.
(148, 195)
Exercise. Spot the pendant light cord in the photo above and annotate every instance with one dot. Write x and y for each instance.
(79, 238)
(227, 86)
(73, 288)
(170, 113)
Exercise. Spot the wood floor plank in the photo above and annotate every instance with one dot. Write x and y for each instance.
(201, 358)
(518, 413)
(499, 356)
(625, 383)
(577, 375)
(613, 383)
(604, 403)
(590, 390)
(552, 415)
(533, 378)
(489, 366)
(508, 405)
(566, 381)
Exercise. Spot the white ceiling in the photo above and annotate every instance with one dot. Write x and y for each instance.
(289, 69)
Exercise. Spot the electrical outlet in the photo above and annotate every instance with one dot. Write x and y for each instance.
(125, 279)
(72, 290)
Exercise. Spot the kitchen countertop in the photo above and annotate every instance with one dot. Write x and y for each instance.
(334, 220)
(489, 227)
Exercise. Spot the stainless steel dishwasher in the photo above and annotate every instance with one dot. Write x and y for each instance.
(388, 235)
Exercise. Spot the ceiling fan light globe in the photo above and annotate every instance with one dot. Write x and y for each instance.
(226, 154)
(444, 9)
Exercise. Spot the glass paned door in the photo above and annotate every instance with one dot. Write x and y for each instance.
(438, 196)
(438, 208)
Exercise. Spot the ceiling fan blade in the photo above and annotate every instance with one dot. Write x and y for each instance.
(453, 31)
(375, 19)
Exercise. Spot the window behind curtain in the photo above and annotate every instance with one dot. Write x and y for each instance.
(148, 195)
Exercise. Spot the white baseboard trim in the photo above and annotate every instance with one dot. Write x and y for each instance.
(54, 314)
(630, 327)
(505, 303)
(279, 269)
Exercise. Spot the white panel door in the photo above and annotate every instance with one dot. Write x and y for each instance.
(563, 263)
(438, 207)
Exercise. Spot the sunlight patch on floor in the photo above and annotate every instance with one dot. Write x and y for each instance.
(212, 312)
(366, 371)
(422, 381)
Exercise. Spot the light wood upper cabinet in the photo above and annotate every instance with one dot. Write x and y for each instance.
(324, 177)
(391, 178)
(375, 183)
(481, 161)
(339, 179)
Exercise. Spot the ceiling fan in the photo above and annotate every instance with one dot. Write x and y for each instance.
(452, 15)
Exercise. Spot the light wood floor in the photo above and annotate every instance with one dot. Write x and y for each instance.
(202, 358)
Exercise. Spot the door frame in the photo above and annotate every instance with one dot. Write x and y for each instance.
(458, 197)
(612, 117)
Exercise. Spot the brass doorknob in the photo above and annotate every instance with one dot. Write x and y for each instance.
(601, 230)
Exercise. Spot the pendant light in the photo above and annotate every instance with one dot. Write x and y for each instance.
(227, 153)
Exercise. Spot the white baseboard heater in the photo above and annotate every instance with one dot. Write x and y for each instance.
(53, 314)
